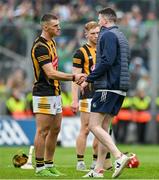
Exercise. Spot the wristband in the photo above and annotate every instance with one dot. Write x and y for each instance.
(73, 78)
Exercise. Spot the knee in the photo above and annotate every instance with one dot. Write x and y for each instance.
(56, 130)
(85, 131)
(43, 131)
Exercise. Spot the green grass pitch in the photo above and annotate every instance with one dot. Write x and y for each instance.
(65, 159)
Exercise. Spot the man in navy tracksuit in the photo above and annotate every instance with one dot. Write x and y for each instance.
(111, 81)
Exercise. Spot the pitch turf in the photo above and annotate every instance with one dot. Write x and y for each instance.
(65, 159)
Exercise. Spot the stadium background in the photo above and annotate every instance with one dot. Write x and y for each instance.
(19, 25)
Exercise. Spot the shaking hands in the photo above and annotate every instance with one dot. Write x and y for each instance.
(80, 80)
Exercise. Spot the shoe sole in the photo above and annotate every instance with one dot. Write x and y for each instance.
(56, 174)
(92, 177)
(121, 169)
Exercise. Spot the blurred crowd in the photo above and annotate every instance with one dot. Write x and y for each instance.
(135, 18)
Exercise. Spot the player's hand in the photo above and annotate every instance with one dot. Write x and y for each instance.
(80, 78)
(75, 106)
(83, 86)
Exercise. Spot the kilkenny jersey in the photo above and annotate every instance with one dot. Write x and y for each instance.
(85, 58)
(44, 52)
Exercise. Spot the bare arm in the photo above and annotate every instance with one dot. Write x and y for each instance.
(75, 89)
(51, 73)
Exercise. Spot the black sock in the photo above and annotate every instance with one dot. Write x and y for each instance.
(95, 157)
(50, 162)
(107, 155)
(80, 157)
(39, 162)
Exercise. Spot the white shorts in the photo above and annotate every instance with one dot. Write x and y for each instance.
(47, 104)
(85, 105)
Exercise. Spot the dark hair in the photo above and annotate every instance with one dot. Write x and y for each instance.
(48, 17)
(109, 13)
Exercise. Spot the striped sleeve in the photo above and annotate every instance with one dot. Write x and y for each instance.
(42, 55)
(78, 59)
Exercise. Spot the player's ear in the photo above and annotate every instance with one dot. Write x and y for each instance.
(45, 26)
(105, 21)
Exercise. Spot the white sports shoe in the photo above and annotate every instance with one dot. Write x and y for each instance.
(120, 165)
(81, 166)
(94, 174)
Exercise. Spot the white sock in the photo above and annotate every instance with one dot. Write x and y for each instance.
(80, 162)
(48, 165)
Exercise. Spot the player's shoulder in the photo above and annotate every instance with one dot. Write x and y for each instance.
(40, 45)
(84, 47)
(39, 41)
(79, 52)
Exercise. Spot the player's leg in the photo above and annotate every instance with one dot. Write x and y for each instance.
(95, 153)
(51, 142)
(97, 123)
(95, 126)
(102, 150)
(108, 162)
(122, 160)
(106, 140)
(95, 146)
(81, 140)
(44, 117)
(108, 103)
(42, 130)
(51, 139)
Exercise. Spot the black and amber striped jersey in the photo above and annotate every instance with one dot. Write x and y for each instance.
(44, 52)
(85, 58)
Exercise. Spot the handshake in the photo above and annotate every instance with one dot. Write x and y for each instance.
(80, 80)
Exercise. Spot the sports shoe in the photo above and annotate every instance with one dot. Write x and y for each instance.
(45, 172)
(81, 166)
(93, 165)
(108, 164)
(54, 171)
(120, 164)
(94, 174)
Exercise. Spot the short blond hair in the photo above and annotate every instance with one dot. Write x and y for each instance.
(90, 25)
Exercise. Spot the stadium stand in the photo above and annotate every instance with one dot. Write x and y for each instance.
(19, 25)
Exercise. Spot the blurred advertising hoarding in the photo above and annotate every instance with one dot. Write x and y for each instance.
(22, 132)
